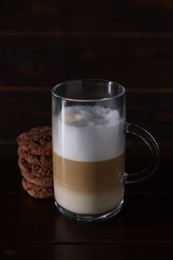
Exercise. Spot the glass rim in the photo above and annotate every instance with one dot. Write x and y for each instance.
(122, 92)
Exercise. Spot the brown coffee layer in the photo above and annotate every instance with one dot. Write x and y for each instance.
(88, 176)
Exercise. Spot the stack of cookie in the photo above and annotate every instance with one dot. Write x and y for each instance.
(35, 162)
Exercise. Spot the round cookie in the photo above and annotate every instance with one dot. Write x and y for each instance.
(42, 181)
(33, 169)
(34, 159)
(37, 191)
(36, 141)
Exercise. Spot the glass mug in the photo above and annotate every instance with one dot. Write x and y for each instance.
(89, 137)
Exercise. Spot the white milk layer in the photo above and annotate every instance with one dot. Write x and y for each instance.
(88, 134)
(96, 203)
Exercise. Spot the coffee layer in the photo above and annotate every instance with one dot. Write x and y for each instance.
(88, 176)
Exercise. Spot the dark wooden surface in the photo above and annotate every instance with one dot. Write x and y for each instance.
(45, 42)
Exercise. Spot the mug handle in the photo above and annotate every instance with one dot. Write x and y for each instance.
(154, 149)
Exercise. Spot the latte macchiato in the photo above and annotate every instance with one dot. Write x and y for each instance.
(88, 159)
(89, 130)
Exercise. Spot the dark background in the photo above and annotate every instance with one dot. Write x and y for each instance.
(43, 42)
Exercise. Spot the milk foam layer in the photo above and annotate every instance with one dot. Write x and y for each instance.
(88, 133)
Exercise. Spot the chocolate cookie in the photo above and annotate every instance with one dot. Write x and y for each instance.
(37, 180)
(35, 161)
(36, 169)
(36, 141)
(37, 191)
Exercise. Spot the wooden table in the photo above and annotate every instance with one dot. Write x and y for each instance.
(34, 229)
